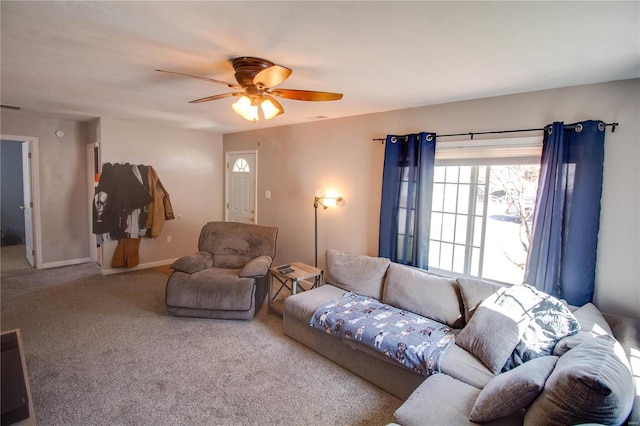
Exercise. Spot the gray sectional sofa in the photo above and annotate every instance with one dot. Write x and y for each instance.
(586, 378)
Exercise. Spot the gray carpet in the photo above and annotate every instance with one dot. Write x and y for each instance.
(101, 350)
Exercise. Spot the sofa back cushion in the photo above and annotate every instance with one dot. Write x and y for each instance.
(473, 292)
(425, 294)
(355, 272)
(592, 324)
(234, 244)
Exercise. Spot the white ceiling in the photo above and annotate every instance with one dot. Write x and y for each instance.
(83, 60)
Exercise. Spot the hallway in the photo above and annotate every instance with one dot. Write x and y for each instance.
(13, 258)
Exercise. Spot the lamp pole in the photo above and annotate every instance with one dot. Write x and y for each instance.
(316, 202)
(315, 208)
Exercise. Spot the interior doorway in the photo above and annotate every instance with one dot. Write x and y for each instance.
(94, 169)
(241, 178)
(28, 175)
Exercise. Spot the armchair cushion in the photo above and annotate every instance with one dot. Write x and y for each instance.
(233, 244)
(193, 263)
(257, 267)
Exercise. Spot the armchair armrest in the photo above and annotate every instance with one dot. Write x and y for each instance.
(194, 262)
(257, 267)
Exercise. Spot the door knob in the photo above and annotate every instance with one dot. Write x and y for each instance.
(21, 207)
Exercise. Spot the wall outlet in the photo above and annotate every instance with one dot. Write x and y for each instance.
(169, 238)
(267, 195)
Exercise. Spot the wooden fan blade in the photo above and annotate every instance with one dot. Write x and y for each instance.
(271, 77)
(231, 85)
(215, 97)
(306, 95)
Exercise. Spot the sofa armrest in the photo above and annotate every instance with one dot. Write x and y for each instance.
(194, 262)
(257, 267)
(627, 332)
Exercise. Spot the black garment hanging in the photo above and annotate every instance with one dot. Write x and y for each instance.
(118, 193)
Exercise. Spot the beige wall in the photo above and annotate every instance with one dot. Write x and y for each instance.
(189, 164)
(340, 155)
(62, 168)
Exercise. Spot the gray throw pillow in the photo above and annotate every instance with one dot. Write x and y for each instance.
(423, 293)
(361, 274)
(509, 392)
(592, 383)
(193, 263)
(491, 334)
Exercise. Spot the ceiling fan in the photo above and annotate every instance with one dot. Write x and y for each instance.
(256, 81)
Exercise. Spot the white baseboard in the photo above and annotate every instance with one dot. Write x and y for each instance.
(69, 262)
(111, 271)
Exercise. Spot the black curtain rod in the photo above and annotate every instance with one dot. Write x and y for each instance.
(472, 134)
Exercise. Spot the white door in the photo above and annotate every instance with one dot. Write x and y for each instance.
(241, 187)
(28, 201)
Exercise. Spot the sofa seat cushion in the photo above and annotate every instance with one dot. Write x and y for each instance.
(464, 366)
(443, 400)
(361, 274)
(425, 294)
(591, 383)
(302, 305)
(212, 288)
(357, 346)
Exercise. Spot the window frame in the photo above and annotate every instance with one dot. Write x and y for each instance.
(478, 153)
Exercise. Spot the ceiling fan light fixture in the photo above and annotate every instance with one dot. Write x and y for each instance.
(256, 79)
(246, 109)
(269, 109)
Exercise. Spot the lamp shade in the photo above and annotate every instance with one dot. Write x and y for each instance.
(269, 109)
(246, 108)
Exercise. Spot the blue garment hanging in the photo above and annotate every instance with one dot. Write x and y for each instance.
(407, 186)
(563, 250)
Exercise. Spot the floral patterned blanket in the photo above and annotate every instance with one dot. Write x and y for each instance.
(414, 341)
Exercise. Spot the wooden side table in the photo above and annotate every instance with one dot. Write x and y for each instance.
(291, 281)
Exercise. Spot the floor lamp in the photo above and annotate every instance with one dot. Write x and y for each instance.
(320, 201)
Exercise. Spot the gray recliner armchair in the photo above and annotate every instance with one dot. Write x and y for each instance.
(226, 278)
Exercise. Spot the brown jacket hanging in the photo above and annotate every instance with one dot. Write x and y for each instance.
(127, 253)
(160, 208)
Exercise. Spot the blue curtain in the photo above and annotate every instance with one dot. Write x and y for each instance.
(407, 185)
(562, 254)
